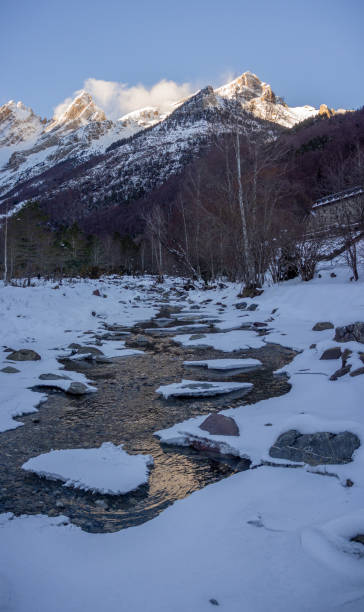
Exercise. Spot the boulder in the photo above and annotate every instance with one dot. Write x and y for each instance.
(331, 353)
(353, 332)
(23, 355)
(53, 377)
(87, 350)
(241, 305)
(357, 372)
(250, 292)
(316, 448)
(345, 356)
(358, 538)
(220, 425)
(77, 388)
(252, 307)
(9, 370)
(322, 325)
(340, 372)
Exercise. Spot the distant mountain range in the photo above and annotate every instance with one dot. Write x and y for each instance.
(80, 161)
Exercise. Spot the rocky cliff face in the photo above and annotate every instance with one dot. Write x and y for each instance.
(82, 156)
(18, 124)
(80, 112)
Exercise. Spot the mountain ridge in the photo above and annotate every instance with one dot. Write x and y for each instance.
(82, 152)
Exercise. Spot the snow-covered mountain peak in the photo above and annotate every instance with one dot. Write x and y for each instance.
(143, 117)
(81, 111)
(258, 98)
(18, 123)
(247, 87)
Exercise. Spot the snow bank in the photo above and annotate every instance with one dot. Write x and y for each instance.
(241, 541)
(270, 538)
(315, 403)
(48, 317)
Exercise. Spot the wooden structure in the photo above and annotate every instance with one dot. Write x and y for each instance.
(339, 209)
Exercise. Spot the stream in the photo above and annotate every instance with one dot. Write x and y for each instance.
(127, 410)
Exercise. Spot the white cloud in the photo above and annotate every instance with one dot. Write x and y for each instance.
(117, 99)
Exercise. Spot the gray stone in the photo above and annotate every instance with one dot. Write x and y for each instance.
(220, 425)
(241, 305)
(101, 359)
(345, 356)
(357, 372)
(101, 503)
(53, 377)
(358, 538)
(197, 336)
(353, 332)
(250, 292)
(24, 355)
(77, 388)
(322, 325)
(331, 353)
(340, 372)
(252, 307)
(86, 350)
(10, 370)
(316, 448)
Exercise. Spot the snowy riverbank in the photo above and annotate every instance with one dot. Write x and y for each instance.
(270, 538)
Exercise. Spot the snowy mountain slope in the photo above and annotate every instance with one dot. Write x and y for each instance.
(129, 168)
(81, 130)
(98, 162)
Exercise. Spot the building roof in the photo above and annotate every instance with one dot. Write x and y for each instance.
(336, 197)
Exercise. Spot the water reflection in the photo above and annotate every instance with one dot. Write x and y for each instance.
(127, 410)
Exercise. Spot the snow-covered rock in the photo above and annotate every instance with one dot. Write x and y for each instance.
(226, 364)
(201, 388)
(107, 469)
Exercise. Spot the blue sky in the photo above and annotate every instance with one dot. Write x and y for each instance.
(309, 51)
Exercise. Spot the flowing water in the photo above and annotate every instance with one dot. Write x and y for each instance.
(127, 410)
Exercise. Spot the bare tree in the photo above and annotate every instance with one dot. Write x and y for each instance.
(6, 248)
(350, 226)
(309, 242)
